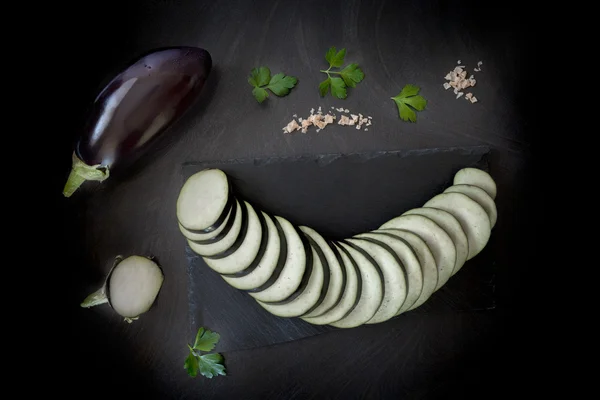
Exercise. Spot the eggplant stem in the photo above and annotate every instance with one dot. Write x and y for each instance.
(81, 172)
(96, 298)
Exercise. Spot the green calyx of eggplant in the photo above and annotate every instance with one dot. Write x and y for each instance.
(81, 172)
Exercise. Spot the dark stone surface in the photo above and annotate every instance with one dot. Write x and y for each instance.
(446, 354)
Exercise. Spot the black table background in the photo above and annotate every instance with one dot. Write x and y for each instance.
(432, 356)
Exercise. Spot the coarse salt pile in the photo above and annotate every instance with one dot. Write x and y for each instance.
(321, 120)
(458, 80)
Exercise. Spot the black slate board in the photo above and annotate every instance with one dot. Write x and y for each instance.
(339, 196)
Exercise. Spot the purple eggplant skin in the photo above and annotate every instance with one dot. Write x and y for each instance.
(135, 108)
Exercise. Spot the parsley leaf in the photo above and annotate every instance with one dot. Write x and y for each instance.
(335, 59)
(208, 365)
(338, 88)
(349, 75)
(324, 87)
(211, 365)
(191, 364)
(261, 79)
(407, 100)
(281, 84)
(352, 75)
(206, 340)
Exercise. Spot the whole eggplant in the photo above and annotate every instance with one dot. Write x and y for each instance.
(136, 107)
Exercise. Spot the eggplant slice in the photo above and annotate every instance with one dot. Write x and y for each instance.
(251, 249)
(480, 196)
(452, 227)
(372, 289)
(394, 279)
(437, 239)
(476, 177)
(252, 278)
(203, 201)
(426, 260)
(336, 282)
(350, 295)
(405, 256)
(309, 295)
(212, 249)
(472, 217)
(292, 272)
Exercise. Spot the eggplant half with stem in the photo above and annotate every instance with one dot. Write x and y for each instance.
(130, 287)
(134, 109)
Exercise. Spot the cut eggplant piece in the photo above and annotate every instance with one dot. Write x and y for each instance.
(437, 239)
(426, 261)
(292, 271)
(251, 249)
(394, 278)
(477, 177)
(305, 278)
(203, 201)
(480, 196)
(309, 295)
(336, 281)
(214, 236)
(405, 256)
(350, 295)
(241, 236)
(372, 289)
(472, 217)
(279, 263)
(247, 280)
(452, 227)
(228, 241)
(326, 274)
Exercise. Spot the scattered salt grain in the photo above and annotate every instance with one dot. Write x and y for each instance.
(312, 111)
(291, 127)
(458, 62)
(447, 85)
(295, 115)
(459, 94)
(346, 111)
(366, 129)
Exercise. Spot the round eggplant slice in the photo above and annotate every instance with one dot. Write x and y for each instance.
(350, 294)
(405, 256)
(480, 196)
(292, 272)
(335, 283)
(472, 217)
(250, 251)
(394, 279)
(203, 201)
(372, 289)
(222, 245)
(477, 177)
(426, 260)
(217, 234)
(437, 239)
(305, 278)
(308, 297)
(266, 265)
(452, 227)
